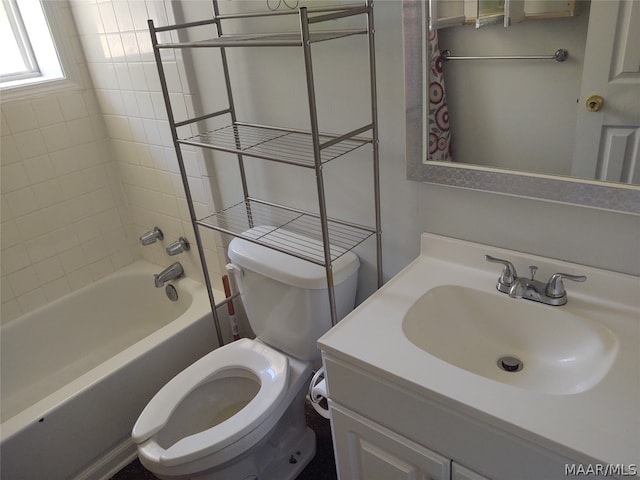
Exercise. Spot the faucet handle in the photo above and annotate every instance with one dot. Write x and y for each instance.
(151, 236)
(508, 275)
(555, 287)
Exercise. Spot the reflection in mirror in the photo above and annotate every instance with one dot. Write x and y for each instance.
(509, 117)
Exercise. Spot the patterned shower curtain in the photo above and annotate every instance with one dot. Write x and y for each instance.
(439, 133)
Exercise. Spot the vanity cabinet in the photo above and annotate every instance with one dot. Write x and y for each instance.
(384, 429)
(458, 472)
(368, 451)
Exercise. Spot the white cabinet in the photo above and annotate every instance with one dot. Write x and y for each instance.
(458, 472)
(384, 430)
(367, 451)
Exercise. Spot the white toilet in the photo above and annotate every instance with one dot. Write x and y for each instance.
(238, 412)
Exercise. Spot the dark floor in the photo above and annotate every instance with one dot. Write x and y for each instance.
(322, 467)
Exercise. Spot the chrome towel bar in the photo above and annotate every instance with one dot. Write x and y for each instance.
(560, 55)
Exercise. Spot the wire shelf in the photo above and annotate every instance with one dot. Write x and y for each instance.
(287, 230)
(293, 39)
(270, 143)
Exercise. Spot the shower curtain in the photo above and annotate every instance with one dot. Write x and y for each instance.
(439, 132)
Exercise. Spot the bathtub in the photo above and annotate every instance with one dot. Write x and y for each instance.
(76, 373)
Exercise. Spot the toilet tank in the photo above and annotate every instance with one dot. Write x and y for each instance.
(286, 298)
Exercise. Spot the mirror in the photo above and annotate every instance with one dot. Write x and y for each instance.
(471, 170)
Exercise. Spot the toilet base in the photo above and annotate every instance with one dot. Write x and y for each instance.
(281, 455)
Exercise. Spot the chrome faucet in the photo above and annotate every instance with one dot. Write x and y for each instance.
(179, 246)
(151, 236)
(550, 293)
(172, 272)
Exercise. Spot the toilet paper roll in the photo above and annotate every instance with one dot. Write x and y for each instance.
(317, 393)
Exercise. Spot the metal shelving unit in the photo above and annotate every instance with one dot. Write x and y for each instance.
(280, 227)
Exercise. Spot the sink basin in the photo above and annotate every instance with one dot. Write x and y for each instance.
(560, 352)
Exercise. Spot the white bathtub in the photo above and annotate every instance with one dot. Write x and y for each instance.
(77, 373)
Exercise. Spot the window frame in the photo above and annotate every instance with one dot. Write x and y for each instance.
(62, 34)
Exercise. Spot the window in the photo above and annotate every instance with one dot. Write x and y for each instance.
(33, 47)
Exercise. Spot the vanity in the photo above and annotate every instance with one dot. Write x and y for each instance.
(438, 375)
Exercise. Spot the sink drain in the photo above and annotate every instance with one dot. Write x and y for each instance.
(510, 364)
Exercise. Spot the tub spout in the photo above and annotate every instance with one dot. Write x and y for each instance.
(172, 272)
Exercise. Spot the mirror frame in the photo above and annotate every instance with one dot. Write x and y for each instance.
(584, 192)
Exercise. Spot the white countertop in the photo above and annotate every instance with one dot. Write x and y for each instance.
(601, 423)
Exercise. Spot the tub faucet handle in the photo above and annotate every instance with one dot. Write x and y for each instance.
(151, 236)
(179, 246)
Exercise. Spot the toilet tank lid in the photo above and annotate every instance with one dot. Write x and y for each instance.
(287, 268)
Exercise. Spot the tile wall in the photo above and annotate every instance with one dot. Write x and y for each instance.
(84, 173)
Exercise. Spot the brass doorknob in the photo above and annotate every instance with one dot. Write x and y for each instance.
(594, 103)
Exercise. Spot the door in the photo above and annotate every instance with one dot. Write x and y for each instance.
(367, 451)
(608, 139)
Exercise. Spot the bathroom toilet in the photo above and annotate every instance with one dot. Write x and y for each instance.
(238, 412)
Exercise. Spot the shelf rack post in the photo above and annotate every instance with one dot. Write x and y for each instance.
(185, 182)
(315, 134)
(232, 110)
(374, 137)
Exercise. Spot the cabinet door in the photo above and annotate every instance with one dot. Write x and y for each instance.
(367, 451)
(458, 472)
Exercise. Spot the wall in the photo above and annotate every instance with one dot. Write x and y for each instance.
(64, 215)
(116, 41)
(86, 172)
(265, 93)
(535, 128)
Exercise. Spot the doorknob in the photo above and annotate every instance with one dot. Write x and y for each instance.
(594, 103)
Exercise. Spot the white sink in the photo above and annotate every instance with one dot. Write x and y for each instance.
(439, 327)
(559, 352)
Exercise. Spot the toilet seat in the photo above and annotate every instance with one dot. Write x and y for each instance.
(271, 369)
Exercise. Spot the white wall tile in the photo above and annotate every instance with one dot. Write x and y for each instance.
(10, 234)
(108, 16)
(130, 46)
(49, 193)
(56, 289)
(87, 18)
(30, 144)
(130, 103)
(139, 14)
(47, 110)
(115, 47)
(123, 16)
(20, 116)
(40, 248)
(96, 48)
(73, 106)
(32, 300)
(13, 177)
(56, 137)
(23, 280)
(14, 259)
(22, 201)
(9, 150)
(48, 270)
(39, 169)
(145, 104)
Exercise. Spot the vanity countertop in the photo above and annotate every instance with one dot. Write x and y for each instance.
(599, 424)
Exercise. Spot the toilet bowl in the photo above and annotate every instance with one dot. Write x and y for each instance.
(191, 428)
(238, 412)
